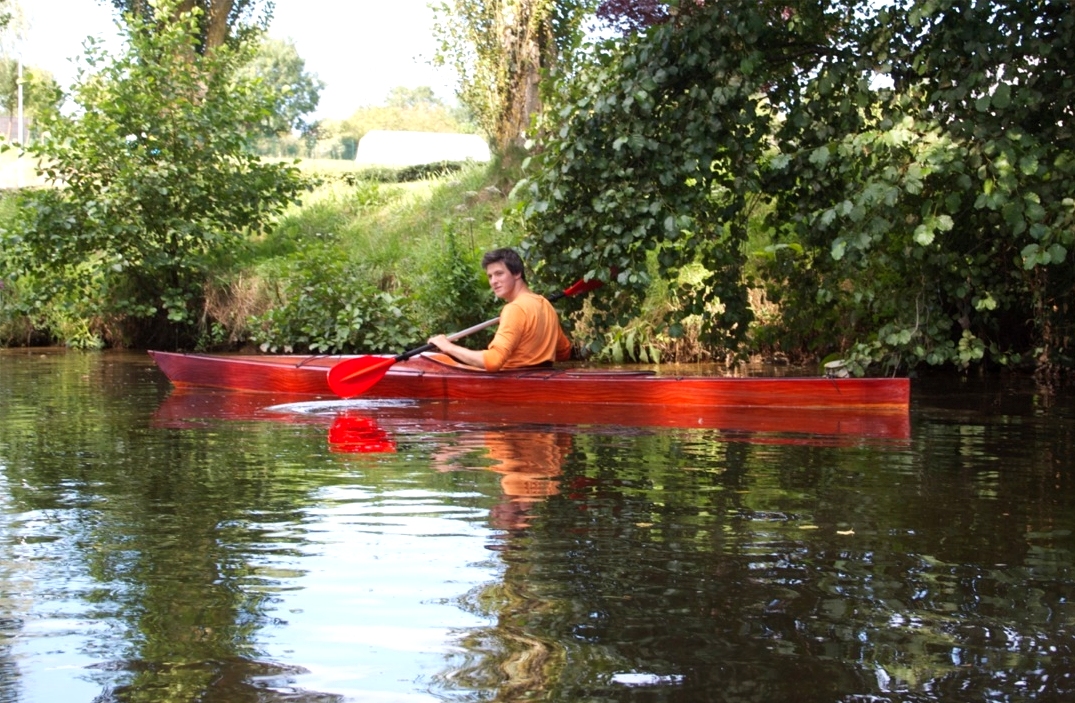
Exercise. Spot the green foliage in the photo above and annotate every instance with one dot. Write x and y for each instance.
(936, 216)
(653, 150)
(392, 174)
(336, 213)
(373, 267)
(40, 91)
(500, 49)
(217, 22)
(279, 67)
(60, 301)
(929, 222)
(329, 305)
(157, 181)
(453, 290)
(636, 342)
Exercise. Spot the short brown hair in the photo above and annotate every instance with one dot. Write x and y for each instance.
(509, 257)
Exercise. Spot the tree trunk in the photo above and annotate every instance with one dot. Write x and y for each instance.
(217, 23)
(528, 46)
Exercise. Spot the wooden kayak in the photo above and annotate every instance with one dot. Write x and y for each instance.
(435, 376)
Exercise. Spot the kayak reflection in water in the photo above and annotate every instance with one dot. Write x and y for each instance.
(529, 463)
(529, 333)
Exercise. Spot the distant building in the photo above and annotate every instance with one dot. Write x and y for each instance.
(380, 147)
(9, 127)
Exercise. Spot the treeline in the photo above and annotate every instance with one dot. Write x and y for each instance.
(164, 228)
(887, 184)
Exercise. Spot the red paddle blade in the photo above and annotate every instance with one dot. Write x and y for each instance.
(353, 377)
(581, 286)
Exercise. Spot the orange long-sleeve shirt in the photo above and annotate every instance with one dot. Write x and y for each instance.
(529, 334)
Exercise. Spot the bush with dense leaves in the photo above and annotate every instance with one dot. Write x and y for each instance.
(929, 221)
(156, 183)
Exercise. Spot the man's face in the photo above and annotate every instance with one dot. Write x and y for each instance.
(504, 283)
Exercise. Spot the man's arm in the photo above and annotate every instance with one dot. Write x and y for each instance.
(563, 346)
(470, 357)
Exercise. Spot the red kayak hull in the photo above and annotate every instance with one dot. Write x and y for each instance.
(425, 377)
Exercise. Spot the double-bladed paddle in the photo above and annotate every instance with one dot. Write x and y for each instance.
(355, 376)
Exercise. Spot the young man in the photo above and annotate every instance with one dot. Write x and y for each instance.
(529, 333)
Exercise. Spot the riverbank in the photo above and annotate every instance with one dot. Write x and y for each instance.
(368, 265)
(354, 264)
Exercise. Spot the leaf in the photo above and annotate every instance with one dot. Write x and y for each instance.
(923, 235)
(779, 162)
(986, 303)
(819, 156)
(1002, 96)
(1031, 255)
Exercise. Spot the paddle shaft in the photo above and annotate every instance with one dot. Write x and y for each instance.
(551, 297)
(451, 338)
(353, 376)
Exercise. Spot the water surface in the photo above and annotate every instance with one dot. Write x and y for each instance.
(166, 546)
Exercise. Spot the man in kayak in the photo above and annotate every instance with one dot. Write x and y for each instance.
(529, 333)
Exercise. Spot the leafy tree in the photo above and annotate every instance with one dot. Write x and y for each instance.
(408, 98)
(935, 218)
(157, 181)
(929, 222)
(278, 65)
(502, 49)
(218, 20)
(649, 156)
(40, 90)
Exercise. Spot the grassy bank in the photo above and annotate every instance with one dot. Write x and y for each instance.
(365, 265)
(362, 263)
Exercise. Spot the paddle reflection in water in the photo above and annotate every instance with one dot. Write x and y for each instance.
(358, 434)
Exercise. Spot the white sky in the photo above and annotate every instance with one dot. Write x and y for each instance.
(361, 49)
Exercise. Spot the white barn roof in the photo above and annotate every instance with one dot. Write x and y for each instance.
(380, 147)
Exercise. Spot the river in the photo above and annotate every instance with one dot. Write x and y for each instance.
(217, 547)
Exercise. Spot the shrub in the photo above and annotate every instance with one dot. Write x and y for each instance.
(158, 182)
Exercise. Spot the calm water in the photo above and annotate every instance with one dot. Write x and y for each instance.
(161, 546)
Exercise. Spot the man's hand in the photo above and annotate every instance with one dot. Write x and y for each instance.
(469, 357)
(441, 342)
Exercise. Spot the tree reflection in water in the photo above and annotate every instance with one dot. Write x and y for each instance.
(169, 555)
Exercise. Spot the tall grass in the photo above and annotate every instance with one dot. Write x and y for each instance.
(365, 266)
(361, 264)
